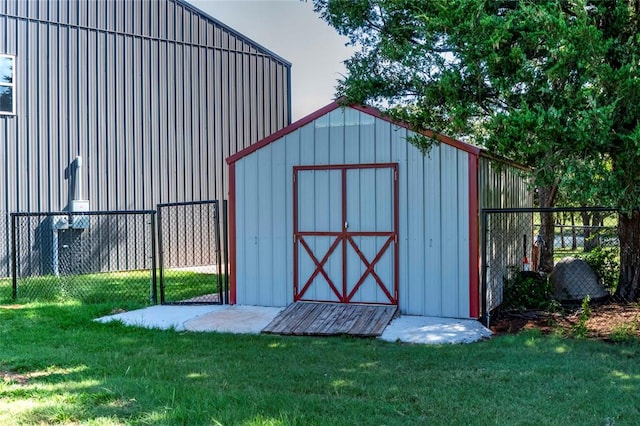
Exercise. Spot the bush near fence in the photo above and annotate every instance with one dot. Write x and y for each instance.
(511, 252)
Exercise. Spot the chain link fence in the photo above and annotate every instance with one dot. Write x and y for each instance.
(538, 258)
(191, 255)
(99, 257)
(93, 257)
(6, 292)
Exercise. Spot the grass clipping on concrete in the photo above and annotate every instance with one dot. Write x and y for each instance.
(57, 366)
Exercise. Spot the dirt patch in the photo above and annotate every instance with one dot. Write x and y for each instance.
(20, 378)
(611, 321)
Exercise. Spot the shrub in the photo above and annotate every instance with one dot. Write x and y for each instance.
(604, 263)
(528, 290)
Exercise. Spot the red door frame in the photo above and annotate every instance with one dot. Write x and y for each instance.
(344, 237)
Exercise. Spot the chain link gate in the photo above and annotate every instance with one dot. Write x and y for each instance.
(93, 257)
(192, 258)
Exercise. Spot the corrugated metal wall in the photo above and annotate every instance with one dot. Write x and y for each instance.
(504, 186)
(153, 94)
(433, 201)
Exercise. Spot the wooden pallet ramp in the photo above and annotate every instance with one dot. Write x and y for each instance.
(329, 319)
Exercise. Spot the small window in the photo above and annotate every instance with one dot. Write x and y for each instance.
(7, 85)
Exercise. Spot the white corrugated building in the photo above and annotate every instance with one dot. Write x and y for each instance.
(340, 207)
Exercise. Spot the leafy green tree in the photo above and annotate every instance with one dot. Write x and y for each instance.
(554, 84)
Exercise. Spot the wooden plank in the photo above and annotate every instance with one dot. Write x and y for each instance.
(326, 319)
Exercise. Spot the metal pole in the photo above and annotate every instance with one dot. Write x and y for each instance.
(154, 283)
(484, 286)
(216, 236)
(14, 257)
(225, 249)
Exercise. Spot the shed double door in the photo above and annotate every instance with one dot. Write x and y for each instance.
(345, 224)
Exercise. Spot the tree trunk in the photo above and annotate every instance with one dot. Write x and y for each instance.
(591, 231)
(546, 199)
(629, 236)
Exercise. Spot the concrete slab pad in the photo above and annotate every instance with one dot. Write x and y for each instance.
(431, 330)
(234, 319)
(252, 319)
(162, 317)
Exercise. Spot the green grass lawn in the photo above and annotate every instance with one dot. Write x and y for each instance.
(132, 287)
(60, 367)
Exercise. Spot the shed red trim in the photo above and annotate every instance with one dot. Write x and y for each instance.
(232, 234)
(472, 149)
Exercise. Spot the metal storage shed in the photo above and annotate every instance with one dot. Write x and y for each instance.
(339, 207)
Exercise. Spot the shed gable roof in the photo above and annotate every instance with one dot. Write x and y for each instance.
(472, 149)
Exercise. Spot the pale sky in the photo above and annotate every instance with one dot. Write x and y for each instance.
(292, 30)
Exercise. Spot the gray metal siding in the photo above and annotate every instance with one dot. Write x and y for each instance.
(154, 95)
(433, 204)
(140, 102)
(501, 186)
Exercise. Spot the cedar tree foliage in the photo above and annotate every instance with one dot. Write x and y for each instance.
(553, 84)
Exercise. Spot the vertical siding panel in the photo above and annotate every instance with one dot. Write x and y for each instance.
(250, 128)
(368, 142)
(321, 142)
(76, 86)
(91, 135)
(354, 121)
(221, 147)
(165, 74)
(382, 142)
(73, 13)
(81, 8)
(415, 235)
(244, 285)
(463, 233)
(292, 154)
(265, 233)
(252, 228)
(211, 142)
(98, 178)
(337, 140)
(240, 92)
(146, 119)
(450, 232)
(26, 126)
(201, 113)
(92, 14)
(282, 236)
(433, 182)
(43, 119)
(260, 100)
(173, 114)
